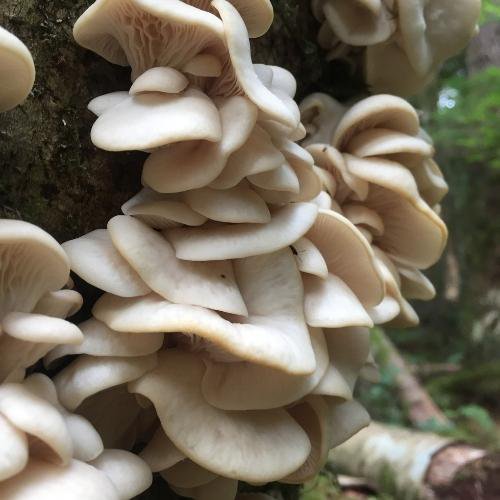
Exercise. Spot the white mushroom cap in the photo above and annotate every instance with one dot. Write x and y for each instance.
(88, 375)
(185, 166)
(41, 480)
(151, 120)
(129, 474)
(430, 181)
(17, 71)
(162, 79)
(287, 225)
(309, 259)
(32, 264)
(206, 284)
(352, 260)
(274, 333)
(238, 386)
(415, 285)
(257, 14)
(160, 453)
(105, 102)
(251, 446)
(14, 451)
(330, 303)
(282, 178)
(99, 340)
(60, 304)
(187, 474)
(94, 258)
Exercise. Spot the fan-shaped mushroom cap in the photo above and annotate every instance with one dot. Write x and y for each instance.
(251, 446)
(88, 375)
(160, 453)
(379, 111)
(238, 386)
(60, 304)
(129, 474)
(348, 349)
(41, 480)
(359, 22)
(99, 340)
(413, 233)
(348, 256)
(118, 31)
(37, 418)
(206, 284)
(236, 205)
(287, 225)
(309, 259)
(166, 80)
(258, 15)
(17, 71)
(185, 166)
(161, 211)
(415, 285)
(32, 264)
(282, 178)
(187, 474)
(103, 103)
(14, 452)
(155, 119)
(330, 303)
(28, 337)
(274, 333)
(430, 181)
(95, 259)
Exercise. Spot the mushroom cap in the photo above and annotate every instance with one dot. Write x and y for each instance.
(95, 259)
(287, 225)
(251, 446)
(415, 285)
(238, 386)
(17, 71)
(166, 80)
(206, 284)
(32, 264)
(41, 480)
(360, 22)
(185, 166)
(274, 333)
(104, 102)
(154, 119)
(348, 256)
(330, 303)
(258, 15)
(129, 474)
(60, 304)
(378, 111)
(187, 474)
(177, 32)
(309, 259)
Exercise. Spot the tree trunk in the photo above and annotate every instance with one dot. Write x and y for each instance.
(413, 464)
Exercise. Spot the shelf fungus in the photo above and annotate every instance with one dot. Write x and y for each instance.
(222, 272)
(402, 42)
(378, 171)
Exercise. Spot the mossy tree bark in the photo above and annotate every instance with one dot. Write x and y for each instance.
(51, 174)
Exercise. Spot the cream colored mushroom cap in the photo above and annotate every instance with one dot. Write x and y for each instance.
(32, 264)
(257, 14)
(379, 111)
(17, 71)
(151, 120)
(251, 446)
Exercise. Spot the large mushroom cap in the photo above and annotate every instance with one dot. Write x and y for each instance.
(17, 71)
(252, 446)
(32, 263)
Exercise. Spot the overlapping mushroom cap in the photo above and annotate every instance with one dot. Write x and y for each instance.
(33, 270)
(48, 452)
(406, 40)
(378, 171)
(17, 71)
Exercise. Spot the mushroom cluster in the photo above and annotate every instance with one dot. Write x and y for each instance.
(403, 42)
(236, 313)
(377, 170)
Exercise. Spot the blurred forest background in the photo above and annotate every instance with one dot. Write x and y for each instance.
(455, 351)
